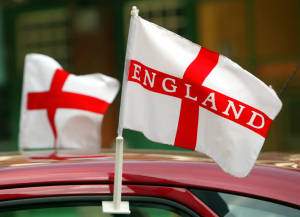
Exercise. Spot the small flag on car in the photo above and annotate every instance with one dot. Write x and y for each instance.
(61, 110)
(179, 93)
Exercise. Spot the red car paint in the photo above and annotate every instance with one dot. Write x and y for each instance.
(161, 175)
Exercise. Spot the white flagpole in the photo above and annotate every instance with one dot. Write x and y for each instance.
(117, 206)
(118, 172)
(134, 13)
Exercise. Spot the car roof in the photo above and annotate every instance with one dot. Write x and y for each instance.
(276, 176)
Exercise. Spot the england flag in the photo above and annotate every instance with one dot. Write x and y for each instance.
(181, 94)
(61, 110)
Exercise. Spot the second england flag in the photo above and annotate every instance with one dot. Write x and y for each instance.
(179, 93)
(62, 111)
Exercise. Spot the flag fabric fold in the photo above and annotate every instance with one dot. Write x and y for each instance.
(179, 93)
(61, 110)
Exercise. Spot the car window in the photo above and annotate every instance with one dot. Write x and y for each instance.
(90, 206)
(230, 205)
(88, 211)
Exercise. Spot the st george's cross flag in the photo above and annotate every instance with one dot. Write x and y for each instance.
(61, 110)
(179, 93)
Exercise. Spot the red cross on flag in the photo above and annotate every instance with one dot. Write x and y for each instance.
(179, 93)
(61, 110)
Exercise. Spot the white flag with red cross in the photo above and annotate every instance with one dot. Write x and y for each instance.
(179, 93)
(61, 110)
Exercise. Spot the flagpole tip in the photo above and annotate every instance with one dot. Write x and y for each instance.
(134, 11)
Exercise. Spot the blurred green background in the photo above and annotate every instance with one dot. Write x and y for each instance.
(88, 36)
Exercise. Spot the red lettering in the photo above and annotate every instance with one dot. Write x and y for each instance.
(246, 115)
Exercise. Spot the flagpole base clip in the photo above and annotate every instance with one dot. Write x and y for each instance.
(109, 207)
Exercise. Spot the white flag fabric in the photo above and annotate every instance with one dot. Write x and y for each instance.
(179, 93)
(61, 110)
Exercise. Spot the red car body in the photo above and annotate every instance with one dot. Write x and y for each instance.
(156, 174)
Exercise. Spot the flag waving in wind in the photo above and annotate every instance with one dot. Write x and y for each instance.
(179, 93)
(60, 110)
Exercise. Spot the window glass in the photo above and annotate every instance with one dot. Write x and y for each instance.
(89, 211)
(229, 205)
